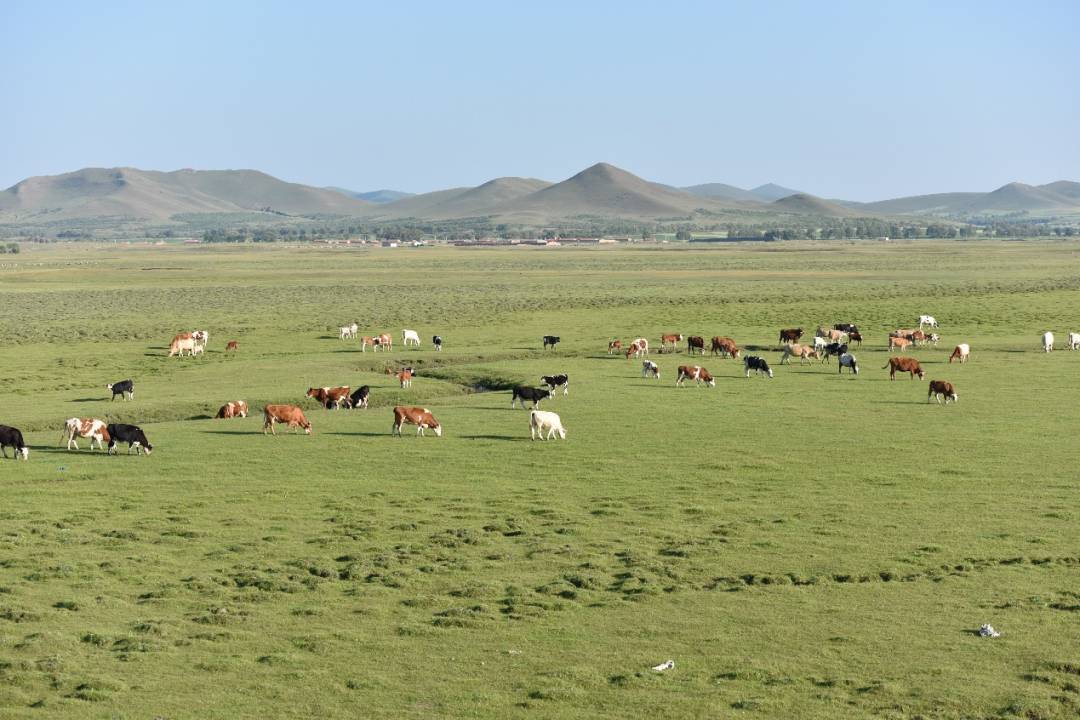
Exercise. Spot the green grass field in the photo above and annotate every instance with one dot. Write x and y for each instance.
(812, 546)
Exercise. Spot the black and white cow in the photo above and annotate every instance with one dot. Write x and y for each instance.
(124, 388)
(13, 437)
(847, 360)
(360, 397)
(650, 369)
(833, 349)
(846, 327)
(757, 364)
(554, 381)
(524, 392)
(551, 341)
(436, 340)
(132, 435)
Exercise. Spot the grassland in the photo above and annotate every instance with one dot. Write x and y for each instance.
(813, 546)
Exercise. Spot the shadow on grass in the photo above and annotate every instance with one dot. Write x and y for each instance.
(490, 437)
(359, 434)
(86, 400)
(54, 450)
(243, 432)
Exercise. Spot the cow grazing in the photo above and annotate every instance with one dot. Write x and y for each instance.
(180, 345)
(405, 378)
(420, 417)
(348, 332)
(791, 335)
(330, 397)
(671, 339)
(847, 360)
(410, 337)
(725, 346)
(436, 340)
(12, 437)
(125, 389)
(695, 342)
(88, 428)
(545, 424)
(231, 409)
(555, 381)
(904, 364)
(232, 346)
(1074, 341)
(757, 364)
(383, 341)
(854, 336)
(846, 327)
(961, 352)
(650, 369)
(803, 352)
(637, 349)
(365, 341)
(360, 397)
(939, 388)
(1048, 341)
(902, 343)
(831, 349)
(927, 320)
(288, 415)
(613, 346)
(933, 339)
(525, 392)
(132, 435)
(201, 337)
(696, 373)
(551, 341)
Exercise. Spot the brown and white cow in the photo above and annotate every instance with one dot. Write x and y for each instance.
(725, 346)
(904, 364)
(289, 415)
(939, 388)
(88, 428)
(696, 373)
(418, 416)
(961, 352)
(405, 378)
(637, 348)
(326, 396)
(383, 341)
(902, 343)
(234, 408)
(613, 346)
(671, 339)
(803, 352)
(180, 345)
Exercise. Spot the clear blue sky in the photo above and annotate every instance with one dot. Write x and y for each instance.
(859, 100)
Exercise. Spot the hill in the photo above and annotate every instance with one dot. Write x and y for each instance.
(771, 192)
(803, 204)
(378, 197)
(722, 191)
(1062, 196)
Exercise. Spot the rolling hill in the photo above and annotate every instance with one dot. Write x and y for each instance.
(804, 204)
(378, 197)
(1061, 196)
(722, 191)
(771, 192)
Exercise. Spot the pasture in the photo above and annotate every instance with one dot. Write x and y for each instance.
(815, 545)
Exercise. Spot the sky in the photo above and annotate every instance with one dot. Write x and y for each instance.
(852, 100)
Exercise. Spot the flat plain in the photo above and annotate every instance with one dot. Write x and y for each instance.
(816, 545)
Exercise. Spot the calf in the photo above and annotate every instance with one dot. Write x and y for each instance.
(695, 342)
(696, 373)
(348, 332)
(88, 428)
(420, 417)
(790, 335)
(232, 346)
(405, 378)
(436, 340)
(650, 369)
(671, 339)
(1048, 341)
(904, 364)
(551, 341)
(290, 415)
(758, 365)
(902, 343)
(940, 388)
(613, 346)
(546, 425)
(961, 352)
(927, 320)
(803, 352)
(12, 437)
(124, 388)
(933, 339)
(132, 435)
(847, 360)
(820, 343)
(524, 392)
(725, 346)
(360, 397)
(236, 408)
(555, 381)
(831, 349)
(855, 336)
(366, 340)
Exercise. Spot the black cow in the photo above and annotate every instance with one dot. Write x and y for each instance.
(132, 435)
(846, 327)
(436, 340)
(695, 341)
(833, 349)
(360, 397)
(757, 364)
(524, 392)
(791, 335)
(13, 437)
(554, 381)
(124, 388)
(551, 340)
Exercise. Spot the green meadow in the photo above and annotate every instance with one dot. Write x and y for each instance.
(812, 546)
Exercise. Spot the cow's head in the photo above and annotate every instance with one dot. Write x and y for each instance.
(25, 452)
(307, 427)
(438, 429)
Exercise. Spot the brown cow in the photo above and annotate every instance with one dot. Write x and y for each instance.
(613, 346)
(904, 364)
(725, 345)
(939, 388)
(232, 346)
(326, 396)
(672, 339)
(405, 378)
(803, 352)
(235, 408)
(288, 414)
(696, 373)
(418, 416)
(790, 335)
(898, 342)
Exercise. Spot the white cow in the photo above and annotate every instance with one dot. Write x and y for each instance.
(820, 343)
(348, 332)
(1048, 341)
(927, 320)
(201, 337)
(542, 421)
(1074, 341)
(649, 369)
(409, 337)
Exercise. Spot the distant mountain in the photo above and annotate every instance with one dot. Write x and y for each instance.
(378, 197)
(482, 200)
(803, 204)
(770, 192)
(1061, 196)
(152, 195)
(723, 192)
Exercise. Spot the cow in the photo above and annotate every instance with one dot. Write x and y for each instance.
(846, 327)
(961, 353)
(525, 392)
(232, 346)
(12, 437)
(366, 340)
(847, 360)
(695, 342)
(803, 352)
(904, 364)
(854, 336)
(198, 350)
(725, 346)
(791, 335)
(899, 342)
(330, 397)
(410, 337)
(637, 348)
(757, 364)
(650, 369)
(231, 409)
(671, 339)
(181, 344)
(125, 389)
(383, 341)
(551, 341)
(132, 435)
(405, 378)
(420, 417)
(927, 320)
(833, 335)
(88, 428)
(696, 373)
(1074, 341)
(1048, 341)
(290, 415)
(360, 397)
(613, 346)
(831, 349)
(555, 381)
(940, 388)
(933, 339)
(201, 337)
(436, 340)
(820, 343)
(546, 425)
(348, 332)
